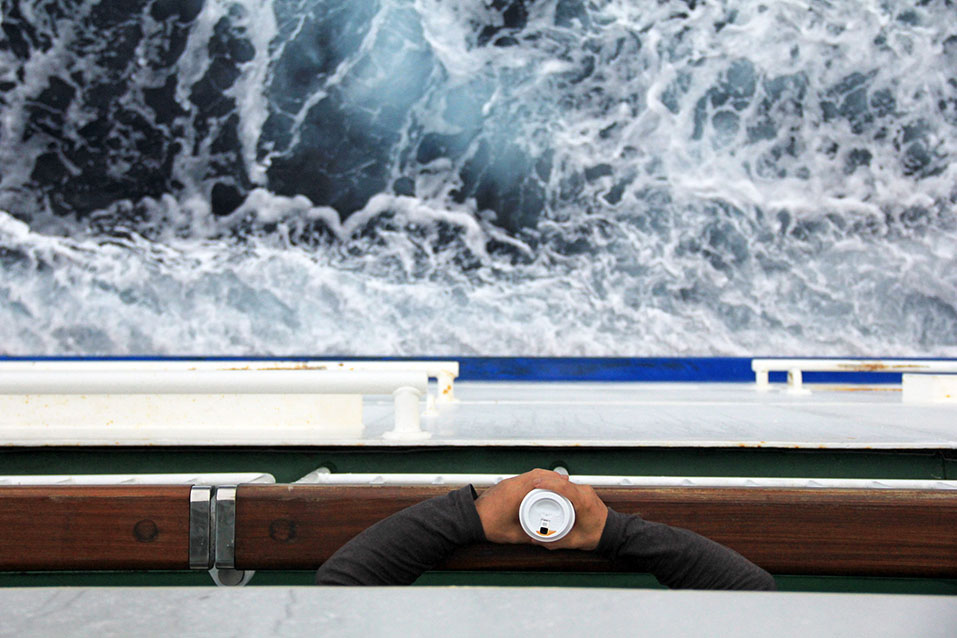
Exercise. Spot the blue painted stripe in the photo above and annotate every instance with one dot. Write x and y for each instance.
(606, 369)
(649, 369)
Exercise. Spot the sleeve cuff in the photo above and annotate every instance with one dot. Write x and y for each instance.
(611, 536)
(465, 502)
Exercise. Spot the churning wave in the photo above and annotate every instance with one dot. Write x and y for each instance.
(410, 177)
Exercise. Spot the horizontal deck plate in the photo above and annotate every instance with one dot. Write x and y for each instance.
(679, 415)
(592, 414)
(458, 611)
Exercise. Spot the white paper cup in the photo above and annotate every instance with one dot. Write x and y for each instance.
(546, 516)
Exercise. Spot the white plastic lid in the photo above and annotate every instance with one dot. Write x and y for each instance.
(546, 516)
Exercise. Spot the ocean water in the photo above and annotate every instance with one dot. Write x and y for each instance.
(500, 177)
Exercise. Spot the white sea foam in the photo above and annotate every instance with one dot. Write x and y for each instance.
(723, 181)
(191, 297)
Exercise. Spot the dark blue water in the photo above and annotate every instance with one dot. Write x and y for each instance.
(499, 177)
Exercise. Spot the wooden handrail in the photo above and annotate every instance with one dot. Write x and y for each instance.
(790, 531)
(863, 532)
(102, 527)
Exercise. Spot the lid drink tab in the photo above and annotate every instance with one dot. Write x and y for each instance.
(546, 515)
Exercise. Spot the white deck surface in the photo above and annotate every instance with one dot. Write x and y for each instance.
(587, 414)
(465, 612)
(678, 414)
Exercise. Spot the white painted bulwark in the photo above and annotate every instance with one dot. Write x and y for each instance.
(50, 419)
(209, 382)
(929, 388)
(444, 372)
(72, 406)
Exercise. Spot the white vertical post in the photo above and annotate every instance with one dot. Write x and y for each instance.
(761, 380)
(445, 393)
(407, 426)
(795, 381)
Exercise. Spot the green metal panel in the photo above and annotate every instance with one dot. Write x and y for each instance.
(950, 464)
(509, 579)
(289, 464)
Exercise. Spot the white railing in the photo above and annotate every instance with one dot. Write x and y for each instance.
(215, 478)
(444, 372)
(323, 476)
(71, 388)
(796, 367)
(209, 382)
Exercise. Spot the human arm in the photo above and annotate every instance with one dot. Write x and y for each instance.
(396, 550)
(678, 558)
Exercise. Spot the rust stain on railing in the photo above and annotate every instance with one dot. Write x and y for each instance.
(879, 367)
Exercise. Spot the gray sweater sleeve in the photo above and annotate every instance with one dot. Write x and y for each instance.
(678, 558)
(398, 549)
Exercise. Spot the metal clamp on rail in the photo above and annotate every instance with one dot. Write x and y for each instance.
(224, 508)
(200, 527)
(224, 572)
(212, 534)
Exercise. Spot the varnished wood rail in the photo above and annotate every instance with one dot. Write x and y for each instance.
(864, 532)
(790, 531)
(76, 527)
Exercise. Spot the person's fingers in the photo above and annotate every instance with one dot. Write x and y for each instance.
(555, 483)
(590, 513)
(498, 507)
(539, 473)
